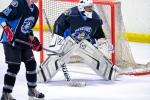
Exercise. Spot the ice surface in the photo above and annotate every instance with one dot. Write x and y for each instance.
(124, 88)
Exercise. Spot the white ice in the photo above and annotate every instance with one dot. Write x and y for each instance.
(124, 88)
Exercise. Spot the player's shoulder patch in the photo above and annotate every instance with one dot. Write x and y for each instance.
(67, 12)
(14, 3)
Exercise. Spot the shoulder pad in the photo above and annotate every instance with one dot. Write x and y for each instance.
(95, 15)
(14, 3)
(68, 12)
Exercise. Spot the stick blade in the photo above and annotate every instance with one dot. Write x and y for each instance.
(76, 83)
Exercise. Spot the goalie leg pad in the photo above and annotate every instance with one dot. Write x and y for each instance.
(97, 61)
(67, 44)
(66, 58)
(48, 69)
(52, 64)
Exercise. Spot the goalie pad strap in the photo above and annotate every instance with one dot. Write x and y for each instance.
(43, 75)
(56, 65)
(110, 74)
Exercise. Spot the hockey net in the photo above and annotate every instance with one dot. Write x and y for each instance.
(110, 13)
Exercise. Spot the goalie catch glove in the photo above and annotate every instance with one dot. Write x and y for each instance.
(103, 43)
(8, 31)
(37, 45)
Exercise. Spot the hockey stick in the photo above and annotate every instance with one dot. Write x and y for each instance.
(58, 41)
(30, 44)
(64, 69)
(57, 38)
(69, 81)
(48, 23)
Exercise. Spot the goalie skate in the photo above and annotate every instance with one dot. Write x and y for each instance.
(97, 61)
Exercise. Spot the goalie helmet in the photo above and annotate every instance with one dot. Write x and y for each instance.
(31, 1)
(81, 7)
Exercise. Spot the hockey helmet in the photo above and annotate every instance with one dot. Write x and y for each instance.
(84, 3)
(31, 1)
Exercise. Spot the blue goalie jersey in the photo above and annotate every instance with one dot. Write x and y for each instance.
(79, 27)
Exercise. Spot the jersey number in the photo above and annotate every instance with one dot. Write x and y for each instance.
(7, 11)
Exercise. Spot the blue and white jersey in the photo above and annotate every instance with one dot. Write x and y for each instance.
(80, 27)
(21, 18)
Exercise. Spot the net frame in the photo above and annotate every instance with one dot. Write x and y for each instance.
(120, 37)
(95, 2)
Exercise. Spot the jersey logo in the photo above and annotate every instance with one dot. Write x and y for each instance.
(14, 3)
(82, 33)
(27, 25)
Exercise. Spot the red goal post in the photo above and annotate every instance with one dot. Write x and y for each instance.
(111, 4)
(110, 13)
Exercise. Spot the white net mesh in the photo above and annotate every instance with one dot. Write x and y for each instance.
(123, 57)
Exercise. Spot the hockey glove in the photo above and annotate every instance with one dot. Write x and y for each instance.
(37, 45)
(8, 31)
(103, 43)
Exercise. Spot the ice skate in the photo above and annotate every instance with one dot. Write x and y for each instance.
(7, 96)
(35, 95)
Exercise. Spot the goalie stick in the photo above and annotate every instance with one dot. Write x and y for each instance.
(48, 23)
(30, 44)
(58, 40)
(64, 69)
(69, 81)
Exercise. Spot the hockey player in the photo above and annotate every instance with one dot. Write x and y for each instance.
(82, 25)
(17, 20)
(85, 24)
(83, 21)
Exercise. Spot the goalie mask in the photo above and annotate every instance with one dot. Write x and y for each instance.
(31, 2)
(86, 6)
